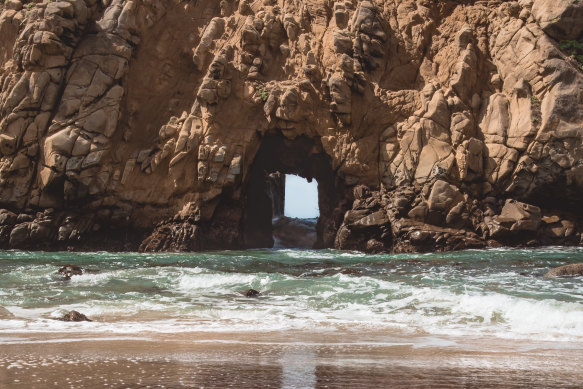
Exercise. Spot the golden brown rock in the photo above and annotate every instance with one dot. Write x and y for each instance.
(135, 115)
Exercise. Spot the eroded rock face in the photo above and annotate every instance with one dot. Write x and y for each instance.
(428, 124)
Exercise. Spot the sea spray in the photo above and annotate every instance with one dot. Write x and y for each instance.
(476, 293)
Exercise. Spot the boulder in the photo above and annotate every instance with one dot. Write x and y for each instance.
(350, 272)
(19, 235)
(418, 212)
(70, 270)
(444, 197)
(524, 217)
(13, 4)
(74, 316)
(375, 219)
(365, 228)
(374, 246)
(574, 269)
(561, 19)
(470, 160)
(420, 237)
(516, 218)
(553, 229)
(251, 293)
(7, 218)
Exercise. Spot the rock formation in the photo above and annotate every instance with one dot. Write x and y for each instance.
(429, 125)
(574, 269)
(251, 293)
(294, 233)
(74, 316)
(69, 271)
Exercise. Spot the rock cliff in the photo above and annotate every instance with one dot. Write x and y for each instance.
(429, 125)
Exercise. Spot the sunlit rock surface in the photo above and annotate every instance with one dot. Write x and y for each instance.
(429, 125)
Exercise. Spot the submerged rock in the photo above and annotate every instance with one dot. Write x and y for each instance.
(574, 269)
(251, 293)
(70, 270)
(350, 272)
(74, 316)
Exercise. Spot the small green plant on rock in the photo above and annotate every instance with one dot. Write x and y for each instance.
(30, 6)
(262, 92)
(536, 112)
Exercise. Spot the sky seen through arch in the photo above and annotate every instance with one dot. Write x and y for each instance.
(301, 197)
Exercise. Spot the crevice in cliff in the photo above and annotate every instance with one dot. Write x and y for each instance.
(57, 189)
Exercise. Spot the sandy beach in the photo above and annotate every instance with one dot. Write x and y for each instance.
(476, 319)
(283, 359)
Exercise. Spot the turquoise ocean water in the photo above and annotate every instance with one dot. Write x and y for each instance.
(496, 293)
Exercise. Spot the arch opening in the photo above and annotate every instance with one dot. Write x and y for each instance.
(301, 198)
(295, 227)
(265, 194)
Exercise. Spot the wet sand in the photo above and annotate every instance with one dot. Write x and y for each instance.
(283, 360)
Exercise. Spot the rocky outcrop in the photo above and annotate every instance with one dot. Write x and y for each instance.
(69, 271)
(75, 317)
(429, 125)
(574, 269)
(294, 233)
(251, 293)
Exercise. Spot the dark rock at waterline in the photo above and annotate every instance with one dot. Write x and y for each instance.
(251, 293)
(70, 270)
(420, 237)
(374, 246)
(494, 244)
(75, 316)
(574, 269)
(351, 272)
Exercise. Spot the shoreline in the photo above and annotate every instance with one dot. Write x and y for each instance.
(286, 359)
(324, 319)
(90, 248)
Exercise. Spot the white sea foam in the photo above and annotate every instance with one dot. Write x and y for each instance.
(429, 299)
(214, 282)
(94, 279)
(461, 315)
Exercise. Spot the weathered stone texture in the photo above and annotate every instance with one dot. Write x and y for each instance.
(428, 124)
